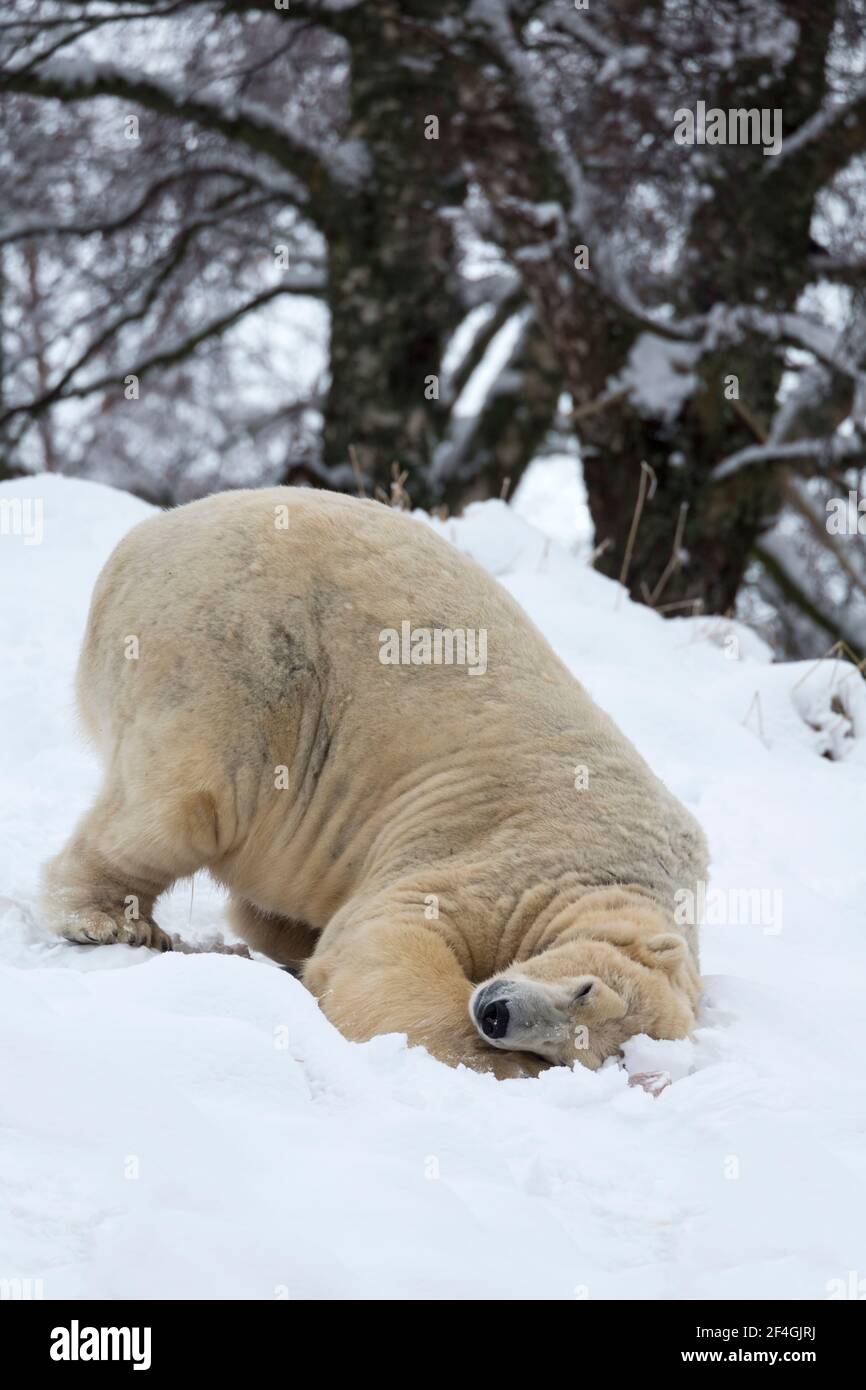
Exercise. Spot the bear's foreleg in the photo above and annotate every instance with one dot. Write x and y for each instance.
(101, 888)
(392, 977)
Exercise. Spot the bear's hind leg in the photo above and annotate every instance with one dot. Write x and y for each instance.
(102, 886)
(286, 941)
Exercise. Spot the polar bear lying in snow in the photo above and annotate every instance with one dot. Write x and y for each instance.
(286, 687)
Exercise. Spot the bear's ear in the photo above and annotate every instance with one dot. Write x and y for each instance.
(595, 1001)
(665, 950)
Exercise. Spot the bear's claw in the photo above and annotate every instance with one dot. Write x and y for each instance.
(101, 929)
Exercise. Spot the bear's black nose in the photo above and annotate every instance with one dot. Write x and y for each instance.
(494, 1019)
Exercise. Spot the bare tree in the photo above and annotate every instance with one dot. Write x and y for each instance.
(457, 184)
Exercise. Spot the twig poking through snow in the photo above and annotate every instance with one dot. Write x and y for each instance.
(648, 480)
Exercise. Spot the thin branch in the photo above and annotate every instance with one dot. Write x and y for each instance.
(168, 357)
(836, 268)
(325, 16)
(647, 477)
(727, 323)
(601, 403)
(106, 226)
(503, 312)
(675, 559)
(88, 25)
(828, 452)
(796, 594)
(581, 28)
(248, 125)
(817, 525)
(830, 138)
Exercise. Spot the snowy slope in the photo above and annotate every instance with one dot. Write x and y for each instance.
(191, 1126)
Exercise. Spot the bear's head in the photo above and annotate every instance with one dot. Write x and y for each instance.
(580, 1000)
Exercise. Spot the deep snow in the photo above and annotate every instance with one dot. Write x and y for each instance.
(191, 1126)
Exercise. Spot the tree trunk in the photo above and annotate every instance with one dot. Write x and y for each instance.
(721, 521)
(392, 290)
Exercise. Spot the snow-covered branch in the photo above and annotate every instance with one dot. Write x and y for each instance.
(835, 133)
(494, 20)
(489, 378)
(24, 230)
(580, 26)
(826, 452)
(246, 123)
(785, 330)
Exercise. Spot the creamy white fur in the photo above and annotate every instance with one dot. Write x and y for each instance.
(405, 831)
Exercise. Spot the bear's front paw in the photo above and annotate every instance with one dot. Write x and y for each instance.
(505, 1066)
(97, 928)
(517, 1064)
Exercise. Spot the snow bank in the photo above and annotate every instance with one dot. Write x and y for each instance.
(191, 1126)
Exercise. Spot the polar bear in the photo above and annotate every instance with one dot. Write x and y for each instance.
(360, 734)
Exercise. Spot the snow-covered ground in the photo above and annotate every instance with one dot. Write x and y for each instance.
(191, 1126)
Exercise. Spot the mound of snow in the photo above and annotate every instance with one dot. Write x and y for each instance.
(191, 1125)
